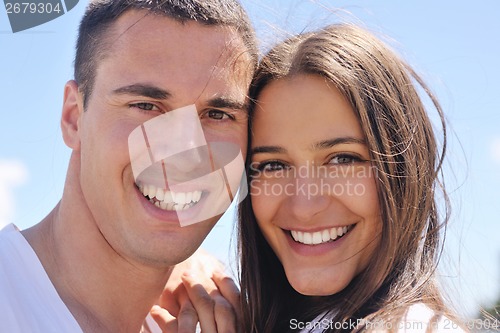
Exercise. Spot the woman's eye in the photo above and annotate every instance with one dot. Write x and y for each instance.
(344, 159)
(271, 166)
(145, 106)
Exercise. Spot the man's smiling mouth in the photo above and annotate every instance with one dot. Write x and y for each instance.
(169, 200)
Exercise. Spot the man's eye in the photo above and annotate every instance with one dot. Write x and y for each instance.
(218, 115)
(145, 106)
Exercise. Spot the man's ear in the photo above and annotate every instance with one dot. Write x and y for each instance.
(71, 113)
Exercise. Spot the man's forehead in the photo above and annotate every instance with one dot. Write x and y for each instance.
(142, 24)
(188, 60)
(220, 47)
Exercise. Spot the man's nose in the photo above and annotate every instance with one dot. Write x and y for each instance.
(188, 165)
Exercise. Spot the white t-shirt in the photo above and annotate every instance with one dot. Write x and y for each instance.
(29, 303)
(417, 319)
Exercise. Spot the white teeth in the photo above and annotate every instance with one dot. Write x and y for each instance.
(179, 207)
(180, 198)
(169, 200)
(325, 235)
(168, 197)
(307, 238)
(174, 196)
(319, 237)
(333, 233)
(148, 192)
(160, 194)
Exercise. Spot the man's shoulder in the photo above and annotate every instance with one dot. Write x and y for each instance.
(28, 300)
(18, 261)
(8, 229)
(10, 243)
(13, 248)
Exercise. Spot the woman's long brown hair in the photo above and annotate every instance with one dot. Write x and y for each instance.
(382, 91)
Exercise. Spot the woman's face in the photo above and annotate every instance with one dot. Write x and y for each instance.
(313, 189)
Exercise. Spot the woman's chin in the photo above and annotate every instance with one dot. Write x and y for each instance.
(314, 287)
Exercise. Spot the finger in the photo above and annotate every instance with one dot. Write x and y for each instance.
(228, 288)
(225, 315)
(188, 319)
(230, 307)
(164, 319)
(172, 300)
(202, 302)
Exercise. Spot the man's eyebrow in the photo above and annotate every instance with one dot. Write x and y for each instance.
(325, 144)
(144, 90)
(228, 103)
(268, 149)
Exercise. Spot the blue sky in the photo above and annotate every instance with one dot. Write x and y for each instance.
(454, 45)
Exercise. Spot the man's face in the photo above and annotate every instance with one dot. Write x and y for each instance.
(156, 65)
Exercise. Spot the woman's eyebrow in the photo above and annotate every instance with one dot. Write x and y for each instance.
(268, 149)
(325, 144)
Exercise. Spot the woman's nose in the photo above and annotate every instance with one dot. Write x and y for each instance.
(307, 199)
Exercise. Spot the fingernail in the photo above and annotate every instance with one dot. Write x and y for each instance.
(155, 308)
(189, 274)
(220, 273)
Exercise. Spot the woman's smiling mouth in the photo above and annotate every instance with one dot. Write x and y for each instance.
(320, 236)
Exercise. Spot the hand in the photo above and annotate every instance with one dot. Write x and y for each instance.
(198, 291)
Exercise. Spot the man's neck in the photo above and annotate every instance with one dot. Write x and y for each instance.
(104, 291)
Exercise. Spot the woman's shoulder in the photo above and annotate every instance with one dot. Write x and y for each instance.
(421, 318)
